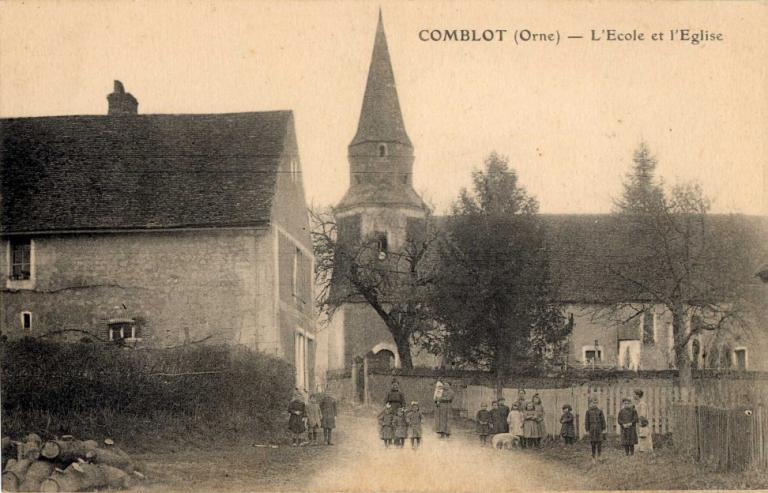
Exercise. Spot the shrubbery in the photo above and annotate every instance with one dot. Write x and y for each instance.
(87, 388)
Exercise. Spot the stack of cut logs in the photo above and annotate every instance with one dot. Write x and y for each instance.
(66, 464)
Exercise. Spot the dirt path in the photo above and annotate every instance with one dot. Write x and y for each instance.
(455, 465)
(358, 462)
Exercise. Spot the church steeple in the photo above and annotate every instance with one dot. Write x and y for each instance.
(381, 154)
(380, 117)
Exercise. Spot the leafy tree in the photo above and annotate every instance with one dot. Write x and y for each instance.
(678, 258)
(355, 270)
(492, 292)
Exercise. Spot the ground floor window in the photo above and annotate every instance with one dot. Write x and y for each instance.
(26, 320)
(740, 354)
(592, 354)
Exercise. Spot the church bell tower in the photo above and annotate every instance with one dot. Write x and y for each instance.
(380, 204)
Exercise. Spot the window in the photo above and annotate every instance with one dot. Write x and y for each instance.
(296, 280)
(726, 361)
(649, 327)
(404, 179)
(294, 170)
(26, 320)
(380, 241)
(300, 355)
(740, 355)
(358, 179)
(21, 259)
(695, 354)
(123, 330)
(382, 150)
(592, 354)
(713, 360)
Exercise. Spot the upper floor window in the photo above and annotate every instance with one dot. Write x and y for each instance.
(21, 259)
(649, 327)
(294, 171)
(298, 280)
(382, 150)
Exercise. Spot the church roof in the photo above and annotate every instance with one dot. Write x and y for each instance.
(380, 117)
(69, 173)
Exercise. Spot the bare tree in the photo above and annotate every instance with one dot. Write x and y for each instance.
(392, 283)
(676, 257)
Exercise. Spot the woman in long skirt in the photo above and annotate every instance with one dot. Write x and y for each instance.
(644, 433)
(443, 411)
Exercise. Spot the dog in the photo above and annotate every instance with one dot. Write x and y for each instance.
(506, 441)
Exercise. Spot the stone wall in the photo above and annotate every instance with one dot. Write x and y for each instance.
(192, 284)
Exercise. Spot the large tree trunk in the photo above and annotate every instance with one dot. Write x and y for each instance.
(403, 345)
(682, 359)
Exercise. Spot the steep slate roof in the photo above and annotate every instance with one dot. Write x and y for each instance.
(582, 247)
(380, 116)
(139, 171)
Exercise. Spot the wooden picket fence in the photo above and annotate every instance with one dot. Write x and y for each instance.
(730, 440)
(661, 395)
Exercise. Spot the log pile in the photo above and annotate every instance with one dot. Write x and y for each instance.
(66, 464)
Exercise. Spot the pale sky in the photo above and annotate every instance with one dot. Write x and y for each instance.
(568, 116)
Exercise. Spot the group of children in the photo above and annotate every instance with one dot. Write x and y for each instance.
(525, 421)
(397, 423)
(319, 412)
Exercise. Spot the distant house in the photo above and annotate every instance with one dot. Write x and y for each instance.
(639, 336)
(157, 230)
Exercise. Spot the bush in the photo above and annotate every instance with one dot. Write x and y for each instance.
(85, 388)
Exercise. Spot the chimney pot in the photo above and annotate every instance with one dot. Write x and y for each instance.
(121, 102)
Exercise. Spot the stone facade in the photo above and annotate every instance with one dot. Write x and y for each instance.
(228, 279)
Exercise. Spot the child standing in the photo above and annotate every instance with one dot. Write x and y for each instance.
(515, 421)
(414, 417)
(531, 428)
(401, 427)
(328, 420)
(628, 419)
(567, 429)
(496, 419)
(594, 423)
(313, 419)
(484, 423)
(386, 423)
(297, 410)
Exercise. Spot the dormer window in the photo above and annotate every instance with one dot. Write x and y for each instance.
(382, 150)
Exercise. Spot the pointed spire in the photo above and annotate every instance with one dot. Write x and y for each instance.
(380, 117)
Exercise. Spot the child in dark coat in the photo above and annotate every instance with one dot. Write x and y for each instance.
(297, 412)
(484, 421)
(628, 419)
(594, 423)
(567, 429)
(414, 418)
(386, 424)
(401, 427)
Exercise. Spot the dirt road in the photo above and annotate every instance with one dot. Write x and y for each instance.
(358, 462)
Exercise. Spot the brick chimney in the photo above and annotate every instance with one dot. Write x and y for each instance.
(121, 102)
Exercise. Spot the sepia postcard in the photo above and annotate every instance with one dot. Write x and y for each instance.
(395, 246)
